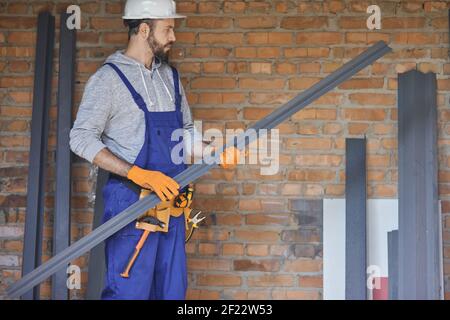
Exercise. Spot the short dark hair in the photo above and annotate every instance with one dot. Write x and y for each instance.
(133, 25)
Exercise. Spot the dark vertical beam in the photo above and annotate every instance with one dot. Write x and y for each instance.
(355, 219)
(393, 264)
(61, 221)
(38, 148)
(419, 275)
(96, 269)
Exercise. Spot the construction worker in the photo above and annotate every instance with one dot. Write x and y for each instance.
(129, 109)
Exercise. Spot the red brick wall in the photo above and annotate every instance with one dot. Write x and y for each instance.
(239, 60)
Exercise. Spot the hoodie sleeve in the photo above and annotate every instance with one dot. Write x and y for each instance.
(93, 113)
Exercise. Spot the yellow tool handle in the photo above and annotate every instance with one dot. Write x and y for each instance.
(140, 244)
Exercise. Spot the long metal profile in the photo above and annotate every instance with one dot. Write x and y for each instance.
(393, 264)
(355, 219)
(197, 170)
(418, 237)
(61, 221)
(96, 268)
(38, 149)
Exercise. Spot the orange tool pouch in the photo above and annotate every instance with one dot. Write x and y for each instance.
(163, 211)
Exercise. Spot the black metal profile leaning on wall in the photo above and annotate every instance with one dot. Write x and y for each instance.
(355, 219)
(61, 220)
(34, 218)
(419, 219)
(96, 268)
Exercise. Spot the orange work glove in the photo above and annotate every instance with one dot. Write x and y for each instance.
(165, 187)
(230, 157)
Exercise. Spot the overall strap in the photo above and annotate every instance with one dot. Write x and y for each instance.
(177, 89)
(136, 96)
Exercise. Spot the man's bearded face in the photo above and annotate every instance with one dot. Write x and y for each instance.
(160, 50)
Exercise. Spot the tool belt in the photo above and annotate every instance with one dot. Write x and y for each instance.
(163, 211)
(157, 220)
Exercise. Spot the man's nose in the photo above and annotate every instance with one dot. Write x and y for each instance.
(172, 37)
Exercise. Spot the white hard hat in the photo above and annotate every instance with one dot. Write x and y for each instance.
(151, 9)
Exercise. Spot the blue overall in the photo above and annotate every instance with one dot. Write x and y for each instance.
(159, 272)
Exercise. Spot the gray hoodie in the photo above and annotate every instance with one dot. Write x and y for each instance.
(109, 117)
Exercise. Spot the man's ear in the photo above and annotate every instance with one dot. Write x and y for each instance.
(144, 30)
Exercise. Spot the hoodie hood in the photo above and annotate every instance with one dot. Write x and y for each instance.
(124, 62)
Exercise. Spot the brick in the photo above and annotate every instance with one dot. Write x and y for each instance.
(207, 249)
(234, 7)
(260, 219)
(220, 38)
(372, 83)
(185, 37)
(256, 22)
(8, 82)
(256, 83)
(256, 113)
(249, 204)
(213, 67)
(212, 83)
(266, 265)
(332, 128)
(357, 128)
(310, 7)
(268, 52)
(308, 143)
(288, 68)
(208, 22)
(195, 294)
(318, 160)
(221, 280)
(232, 249)
(374, 160)
(295, 295)
(270, 281)
(261, 67)
(301, 265)
(403, 23)
(13, 245)
(257, 250)
(321, 38)
(106, 23)
(223, 204)
(364, 114)
(17, 22)
(309, 67)
(208, 7)
(302, 22)
(302, 236)
(384, 191)
(115, 38)
(416, 38)
(17, 8)
(209, 264)
(256, 236)
(373, 99)
(302, 83)
(352, 23)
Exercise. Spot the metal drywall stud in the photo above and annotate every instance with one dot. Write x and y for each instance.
(32, 251)
(355, 219)
(61, 221)
(96, 268)
(418, 238)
